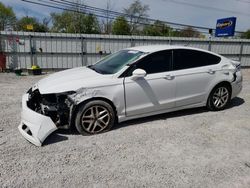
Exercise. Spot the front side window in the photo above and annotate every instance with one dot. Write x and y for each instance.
(185, 59)
(156, 63)
(115, 62)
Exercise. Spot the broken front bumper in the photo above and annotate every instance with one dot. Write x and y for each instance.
(34, 127)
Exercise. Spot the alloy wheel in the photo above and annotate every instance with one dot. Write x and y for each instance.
(220, 97)
(95, 119)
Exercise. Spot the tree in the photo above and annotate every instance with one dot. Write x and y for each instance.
(74, 22)
(66, 22)
(90, 25)
(121, 26)
(189, 32)
(107, 22)
(157, 29)
(137, 12)
(246, 35)
(7, 17)
(37, 26)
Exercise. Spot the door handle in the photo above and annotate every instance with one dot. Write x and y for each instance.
(210, 71)
(169, 77)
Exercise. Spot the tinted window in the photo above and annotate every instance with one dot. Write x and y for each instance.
(156, 62)
(184, 59)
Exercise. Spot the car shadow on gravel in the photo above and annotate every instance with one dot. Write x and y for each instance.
(54, 138)
(237, 101)
(60, 135)
(70, 131)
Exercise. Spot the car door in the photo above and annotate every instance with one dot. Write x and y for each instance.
(194, 70)
(154, 92)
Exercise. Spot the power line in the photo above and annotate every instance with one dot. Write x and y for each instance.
(127, 15)
(58, 7)
(98, 12)
(207, 7)
(243, 1)
(77, 11)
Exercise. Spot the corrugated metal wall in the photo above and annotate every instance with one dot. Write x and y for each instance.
(58, 50)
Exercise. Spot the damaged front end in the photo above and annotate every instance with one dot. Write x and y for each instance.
(42, 114)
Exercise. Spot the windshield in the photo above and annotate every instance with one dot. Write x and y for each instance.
(115, 62)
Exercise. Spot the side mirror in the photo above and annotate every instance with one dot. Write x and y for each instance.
(138, 73)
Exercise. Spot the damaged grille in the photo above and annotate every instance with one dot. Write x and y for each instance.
(34, 100)
(51, 105)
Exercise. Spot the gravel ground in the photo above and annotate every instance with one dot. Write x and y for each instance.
(190, 148)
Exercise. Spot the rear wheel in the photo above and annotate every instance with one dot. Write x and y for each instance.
(95, 117)
(219, 98)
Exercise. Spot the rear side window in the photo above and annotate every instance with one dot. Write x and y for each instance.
(156, 62)
(185, 59)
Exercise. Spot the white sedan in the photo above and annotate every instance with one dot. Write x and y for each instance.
(131, 83)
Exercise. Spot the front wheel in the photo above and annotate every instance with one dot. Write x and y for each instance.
(219, 98)
(95, 117)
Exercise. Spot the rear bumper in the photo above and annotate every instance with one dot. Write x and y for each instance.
(34, 127)
(237, 84)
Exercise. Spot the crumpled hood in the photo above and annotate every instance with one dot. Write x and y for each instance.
(68, 80)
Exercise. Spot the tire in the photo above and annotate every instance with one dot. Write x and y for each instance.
(219, 97)
(94, 117)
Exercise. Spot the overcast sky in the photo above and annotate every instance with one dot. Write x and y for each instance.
(192, 12)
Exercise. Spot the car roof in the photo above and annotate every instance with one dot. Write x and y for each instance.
(156, 48)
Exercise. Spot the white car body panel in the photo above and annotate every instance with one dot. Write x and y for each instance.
(152, 93)
(191, 85)
(72, 80)
(132, 98)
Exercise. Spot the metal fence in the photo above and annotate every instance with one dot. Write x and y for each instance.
(61, 51)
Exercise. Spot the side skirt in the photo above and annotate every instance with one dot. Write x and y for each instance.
(125, 118)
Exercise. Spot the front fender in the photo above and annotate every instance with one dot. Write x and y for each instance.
(114, 93)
